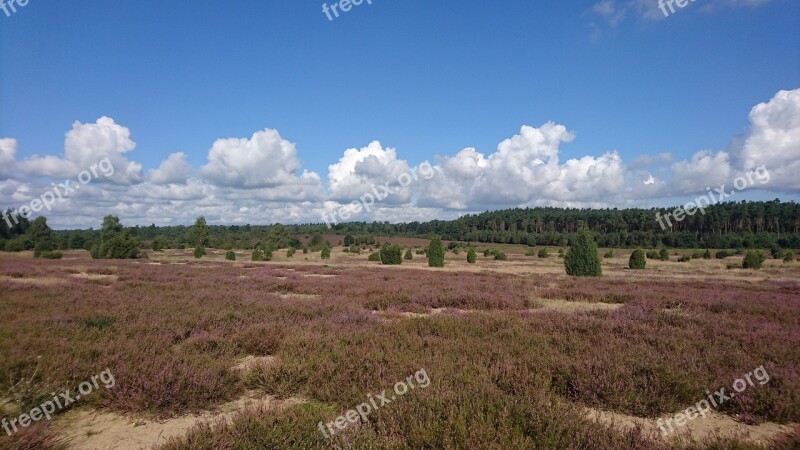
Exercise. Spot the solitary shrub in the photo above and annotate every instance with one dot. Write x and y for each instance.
(374, 257)
(637, 260)
(707, 254)
(391, 255)
(51, 254)
(543, 253)
(609, 254)
(408, 256)
(652, 254)
(789, 257)
(753, 260)
(581, 260)
(326, 253)
(471, 256)
(199, 251)
(776, 251)
(258, 255)
(500, 256)
(663, 255)
(436, 253)
(486, 253)
(685, 258)
(290, 252)
(230, 255)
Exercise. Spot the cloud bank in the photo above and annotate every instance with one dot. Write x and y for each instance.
(260, 179)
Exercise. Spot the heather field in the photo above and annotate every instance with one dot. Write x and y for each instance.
(208, 353)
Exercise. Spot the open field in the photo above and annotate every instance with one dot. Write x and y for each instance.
(518, 355)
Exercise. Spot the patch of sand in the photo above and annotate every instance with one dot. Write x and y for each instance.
(44, 281)
(564, 306)
(86, 429)
(94, 276)
(250, 362)
(714, 424)
(289, 295)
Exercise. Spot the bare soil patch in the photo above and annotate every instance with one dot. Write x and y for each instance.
(714, 424)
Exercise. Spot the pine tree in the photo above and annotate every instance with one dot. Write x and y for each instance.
(471, 256)
(637, 260)
(582, 260)
(436, 253)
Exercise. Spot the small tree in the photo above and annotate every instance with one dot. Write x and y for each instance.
(391, 255)
(258, 255)
(199, 233)
(326, 253)
(543, 253)
(663, 254)
(199, 251)
(290, 252)
(582, 260)
(789, 257)
(408, 256)
(230, 255)
(637, 260)
(471, 256)
(436, 253)
(753, 260)
(707, 254)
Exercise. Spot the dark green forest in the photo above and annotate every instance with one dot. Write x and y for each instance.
(727, 225)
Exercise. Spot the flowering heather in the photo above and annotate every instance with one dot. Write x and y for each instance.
(505, 374)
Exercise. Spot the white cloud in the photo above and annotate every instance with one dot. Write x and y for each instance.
(8, 152)
(259, 180)
(85, 146)
(266, 160)
(173, 170)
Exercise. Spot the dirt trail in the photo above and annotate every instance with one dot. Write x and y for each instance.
(714, 424)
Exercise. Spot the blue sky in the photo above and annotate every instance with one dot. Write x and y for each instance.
(426, 78)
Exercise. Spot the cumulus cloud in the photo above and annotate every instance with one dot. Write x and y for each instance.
(772, 139)
(264, 160)
(85, 146)
(173, 170)
(8, 153)
(258, 180)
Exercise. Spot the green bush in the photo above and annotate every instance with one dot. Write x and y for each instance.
(609, 254)
(637, 260)
(408, 256)
(722, 254)
(199, 251)
(326, 253)
(41, 247)
(697, 255)
(291, 251)
(486, 253)
(15, 245)
(707, 254)
(789, 257)
(500, 256)
(543, 253)
(753, 260)
(663, 255)
(230, 255)
(471, 256)
(374, 257)
(685, 258)
(652, 254)
(391, 255)
(581, 260)
(50, 254)
(436, 253)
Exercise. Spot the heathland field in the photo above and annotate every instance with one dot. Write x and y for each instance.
(345, 353)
